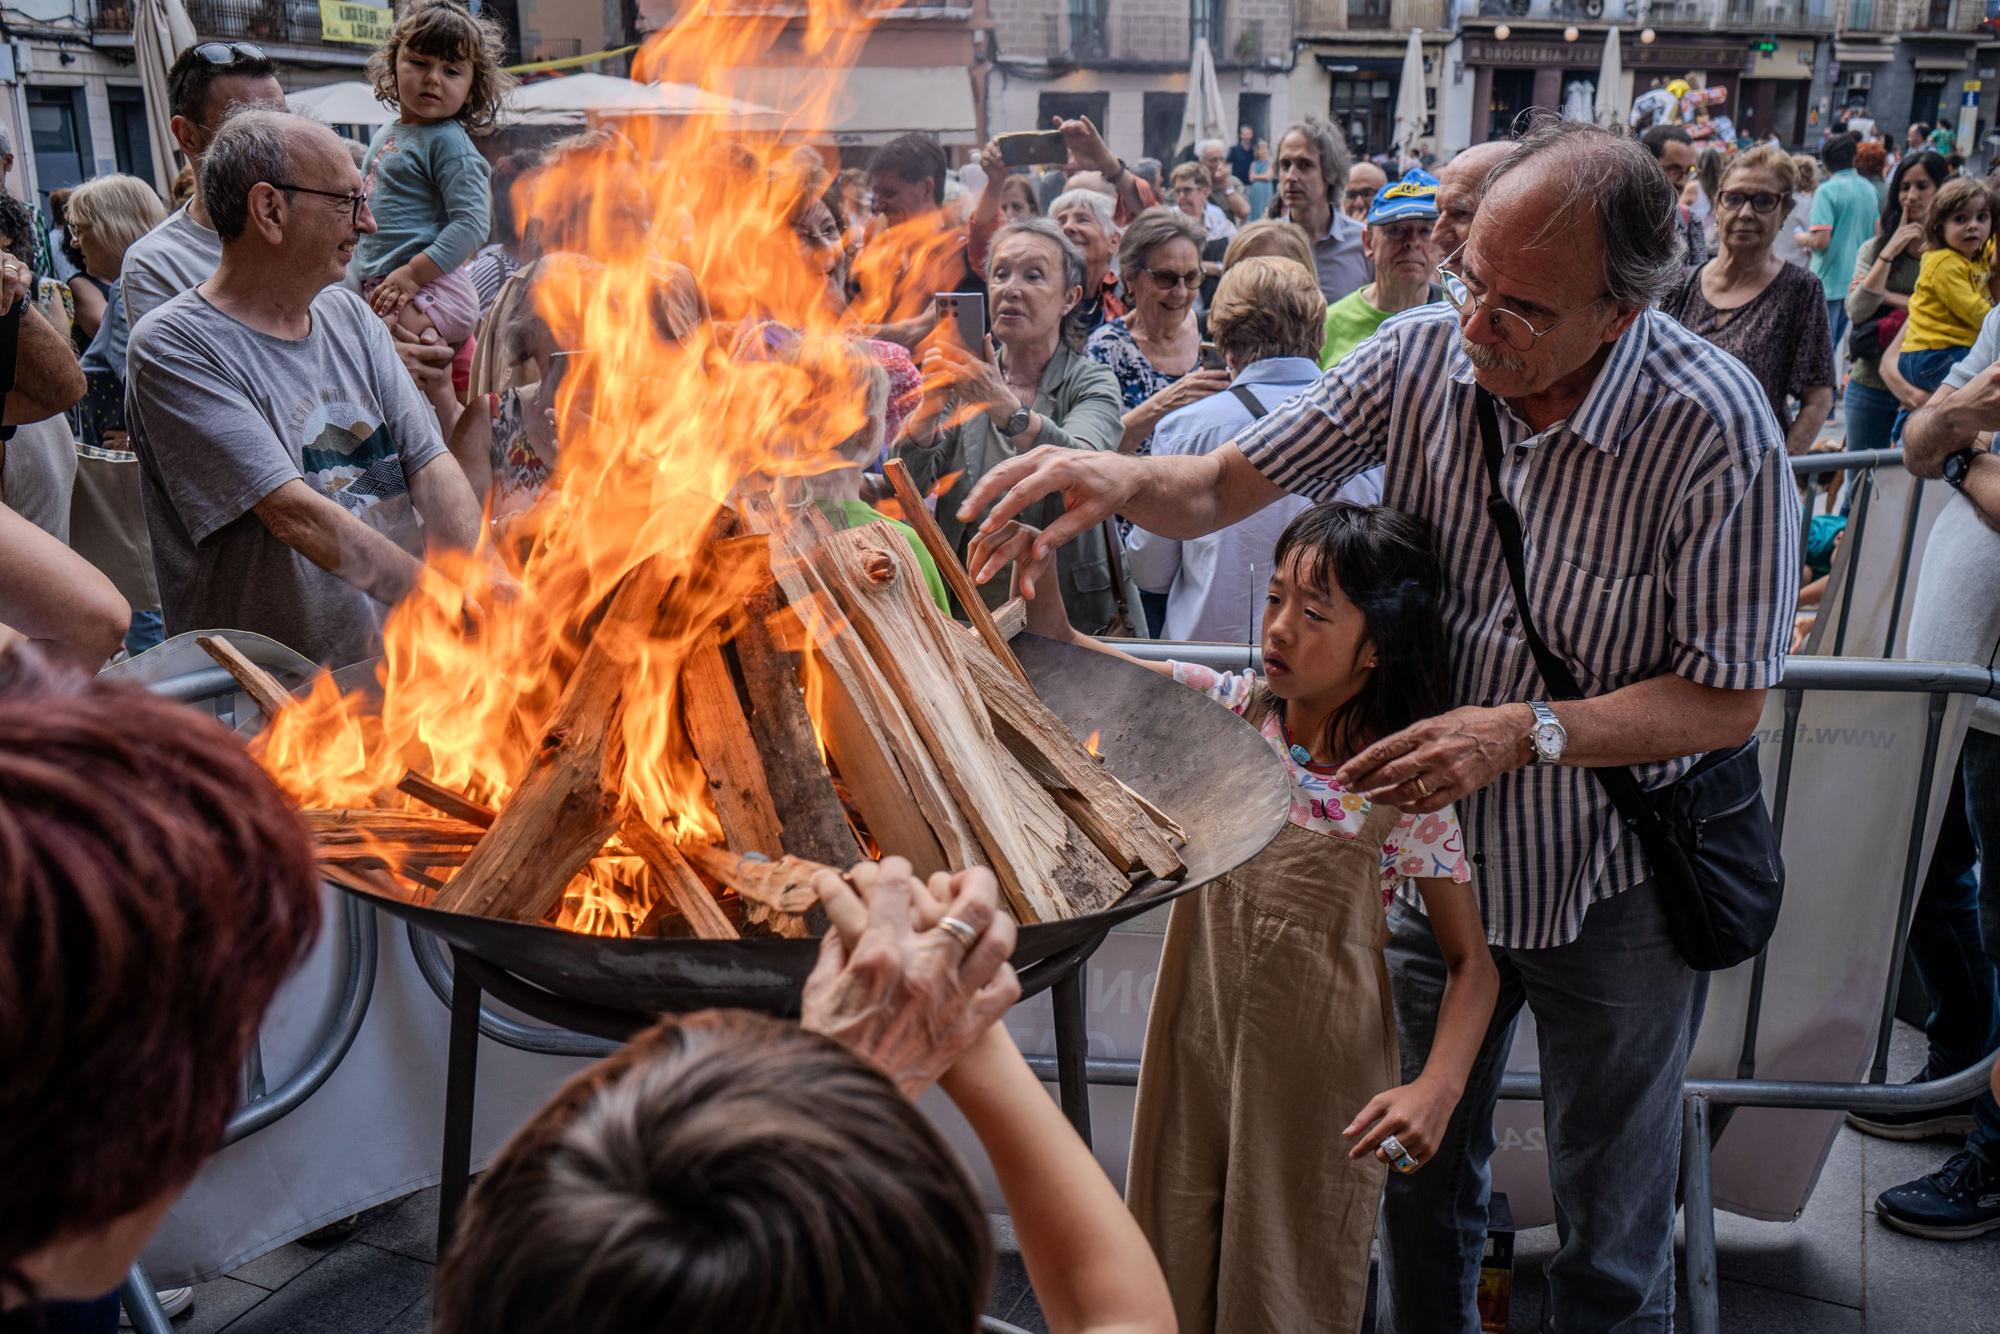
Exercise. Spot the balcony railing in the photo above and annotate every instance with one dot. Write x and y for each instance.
(1947, 16)
(279, 22)
(1087, 34)
(1781, 15)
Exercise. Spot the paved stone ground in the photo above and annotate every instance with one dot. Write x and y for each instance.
(1837, 1270)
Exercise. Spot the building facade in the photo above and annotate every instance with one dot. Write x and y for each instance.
(72, 101)
(1125, 64)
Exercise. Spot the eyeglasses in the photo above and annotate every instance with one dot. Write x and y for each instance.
(1757, 201)
(1168, 278)
(1359, 193)
(355, 201)
(1514, 329)
(231, 53)
(1402, 233)
(1676, 175)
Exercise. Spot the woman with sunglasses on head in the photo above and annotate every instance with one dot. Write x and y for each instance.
(1155, 348)
(1766, 313)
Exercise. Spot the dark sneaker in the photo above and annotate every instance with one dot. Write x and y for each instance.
(1954, 1121)
(1959, 1200)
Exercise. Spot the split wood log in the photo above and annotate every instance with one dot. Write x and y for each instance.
(679, 886)
(262, 687)
(918, 516)
(897, 789)
(562, 811)
(815, 825)
(720, 735)
(783, 885)
(874, 580)
(347, 827)
(1087, 792)
(441, 798)
(1011, 617)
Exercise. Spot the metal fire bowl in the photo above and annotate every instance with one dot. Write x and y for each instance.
(1193, 758)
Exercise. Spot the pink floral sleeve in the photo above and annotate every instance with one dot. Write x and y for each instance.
(1231, 689)
(1425, 847)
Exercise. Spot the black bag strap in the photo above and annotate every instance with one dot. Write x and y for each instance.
(1249, 401)
(1618, 782)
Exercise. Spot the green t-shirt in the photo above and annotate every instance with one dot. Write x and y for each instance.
(1849, 207)
(856, 513)
(1350, 322)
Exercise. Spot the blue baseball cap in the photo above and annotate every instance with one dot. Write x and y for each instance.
(1413, 196)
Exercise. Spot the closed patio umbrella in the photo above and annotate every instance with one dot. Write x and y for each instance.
(160, 32)
(1205, 117)
(1612, 108)
(1411, 113)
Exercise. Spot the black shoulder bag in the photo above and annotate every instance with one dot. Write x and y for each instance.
(1708, 837)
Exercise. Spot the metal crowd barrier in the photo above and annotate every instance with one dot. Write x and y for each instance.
(1702, 1097)
(1909, 529)
(336, 1036)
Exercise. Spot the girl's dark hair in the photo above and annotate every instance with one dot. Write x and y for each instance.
(443, 30)
(1892, 208)
(1385, 562)
(724, 1171)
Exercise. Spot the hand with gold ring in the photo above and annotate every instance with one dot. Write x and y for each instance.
(15, 281)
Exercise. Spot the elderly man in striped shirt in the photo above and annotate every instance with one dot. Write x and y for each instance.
(1662, 565)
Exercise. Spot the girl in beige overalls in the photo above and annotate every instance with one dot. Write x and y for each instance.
(1266, 1091)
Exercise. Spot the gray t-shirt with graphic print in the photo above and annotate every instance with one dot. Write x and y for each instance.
(222, 415)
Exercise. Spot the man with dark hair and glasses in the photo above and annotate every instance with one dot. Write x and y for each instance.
(207, 82)
(1661, 563)
(285, 457)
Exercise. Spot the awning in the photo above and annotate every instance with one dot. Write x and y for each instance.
(1849, 54)
(1950, 64)
(866, 106)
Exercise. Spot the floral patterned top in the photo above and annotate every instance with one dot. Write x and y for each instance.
(1421, 847)
(1112, 344)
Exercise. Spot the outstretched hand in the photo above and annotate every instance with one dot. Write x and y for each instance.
(891, 985)
(1429, 765)
(1092, 485)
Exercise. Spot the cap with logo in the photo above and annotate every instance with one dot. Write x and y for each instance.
(1413, 196)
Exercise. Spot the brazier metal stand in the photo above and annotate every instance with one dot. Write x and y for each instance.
(579, 1028)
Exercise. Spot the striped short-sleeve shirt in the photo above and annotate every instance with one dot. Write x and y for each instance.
(1662, 537)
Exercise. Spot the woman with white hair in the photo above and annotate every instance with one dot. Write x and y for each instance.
(1087, 218)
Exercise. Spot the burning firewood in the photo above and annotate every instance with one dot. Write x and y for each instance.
(258, 684)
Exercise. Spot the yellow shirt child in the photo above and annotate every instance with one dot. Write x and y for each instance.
(1950, 301)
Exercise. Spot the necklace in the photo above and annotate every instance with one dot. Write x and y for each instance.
(1300, 755)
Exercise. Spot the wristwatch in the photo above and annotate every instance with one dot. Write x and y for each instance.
(1956, 466)
(1547, 736)
(1018, 422)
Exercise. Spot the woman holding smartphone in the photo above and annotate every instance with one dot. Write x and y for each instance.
(1025, 384)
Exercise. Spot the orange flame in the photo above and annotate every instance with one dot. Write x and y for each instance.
(1091, 744)
(686, 229)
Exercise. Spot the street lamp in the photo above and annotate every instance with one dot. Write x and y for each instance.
(1569, 34)
(1501, 32)
(1646, 37)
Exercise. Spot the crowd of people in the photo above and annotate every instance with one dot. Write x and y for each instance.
(1261, 397)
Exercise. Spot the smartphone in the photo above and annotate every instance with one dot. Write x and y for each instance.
(1211, 357)
(967, 312)
(1033, 148)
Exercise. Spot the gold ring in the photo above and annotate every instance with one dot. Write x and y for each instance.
(1423, 788)
(960, 931)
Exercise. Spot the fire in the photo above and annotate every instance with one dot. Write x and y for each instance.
(1091, 744)
(686, 226)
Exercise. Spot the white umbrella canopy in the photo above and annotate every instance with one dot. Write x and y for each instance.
(1410, 112)
(1206, 118)
(161, 30)
(1612, 108)
(349, 102)
(577, 95)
